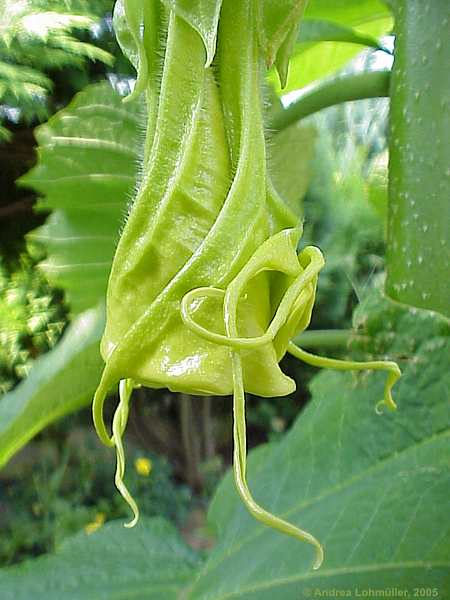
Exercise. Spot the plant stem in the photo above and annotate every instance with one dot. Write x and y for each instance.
(359, 86)
(325, 338)
(190, 439)
(207, 429)
(418, 244)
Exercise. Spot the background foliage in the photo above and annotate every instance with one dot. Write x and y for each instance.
(37, 39)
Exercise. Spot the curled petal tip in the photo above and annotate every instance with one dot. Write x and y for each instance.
(379, 408)
(319, 557)
(133, 522)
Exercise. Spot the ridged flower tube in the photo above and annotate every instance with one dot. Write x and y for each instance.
(207, 287)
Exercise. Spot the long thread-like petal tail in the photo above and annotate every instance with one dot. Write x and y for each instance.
(119, 425)
(391, 367)
(239, 467)
(97, 410)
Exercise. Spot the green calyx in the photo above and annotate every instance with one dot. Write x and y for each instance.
(207, 289)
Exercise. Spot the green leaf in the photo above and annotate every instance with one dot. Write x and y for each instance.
(87, 164)
(60, 382)
(278, 24)
(5, 134)
(330, 35)
(320, 30)
(114, 563)
(372, 488)
(314, 61)
(347, 12)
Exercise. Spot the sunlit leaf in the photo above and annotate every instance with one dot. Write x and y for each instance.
(352, 24)
(59, 383)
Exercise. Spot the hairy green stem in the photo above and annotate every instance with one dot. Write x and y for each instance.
(359, 86)
(190, 441)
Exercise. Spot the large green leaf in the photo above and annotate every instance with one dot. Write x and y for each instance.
(60, 382)
(87, 165)
(321, 30)
(314, 61)
(114, 563)
(331, 34)
(278, 23)
(347, 12)
(372, 488)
